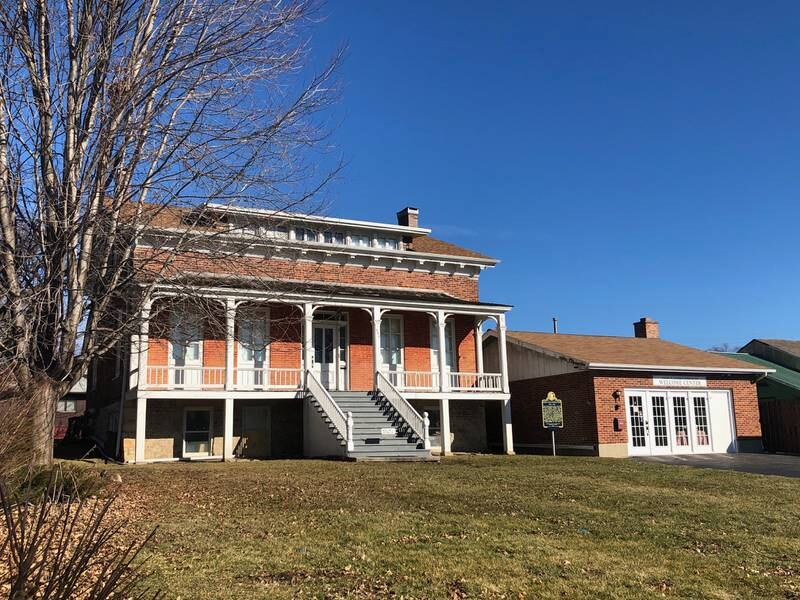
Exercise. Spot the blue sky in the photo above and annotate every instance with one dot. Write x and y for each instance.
(622, 159)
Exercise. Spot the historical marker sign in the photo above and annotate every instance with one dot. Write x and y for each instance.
(552, 412)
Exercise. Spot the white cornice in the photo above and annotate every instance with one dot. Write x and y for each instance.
(306, 218)
(400, 259)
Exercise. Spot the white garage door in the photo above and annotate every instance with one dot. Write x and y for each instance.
(679, 422)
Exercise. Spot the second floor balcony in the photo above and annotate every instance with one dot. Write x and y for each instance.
(268, 346)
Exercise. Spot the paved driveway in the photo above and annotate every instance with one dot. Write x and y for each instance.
(764, 464)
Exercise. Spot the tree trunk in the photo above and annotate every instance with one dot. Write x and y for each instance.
(44, 395)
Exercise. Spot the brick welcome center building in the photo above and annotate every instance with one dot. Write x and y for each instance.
(630, 396)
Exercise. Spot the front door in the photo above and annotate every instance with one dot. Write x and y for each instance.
(325, 363)
(677, 422)
(186, 351)
(256, 432)
(638, 425)
(197, 432)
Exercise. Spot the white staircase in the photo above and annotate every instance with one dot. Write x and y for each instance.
(377, 425)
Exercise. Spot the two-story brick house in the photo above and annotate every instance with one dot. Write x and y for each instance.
(323, 337)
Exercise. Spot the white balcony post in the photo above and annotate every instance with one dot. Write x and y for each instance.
(426, 431)
(141, 423)
(444, 376)
(444, 409)
(501, 331)
(377, 313)
(479, 350)
(508, 434)
(227, 440)
(350, 441)
(138, 377)
(230, 324)
(308, 336)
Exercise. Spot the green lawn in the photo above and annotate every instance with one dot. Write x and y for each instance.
(535, 527)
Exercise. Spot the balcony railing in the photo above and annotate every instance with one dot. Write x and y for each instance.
(276, 378)
(268, 379)
(429, 381)
(213, 378)
(476, 382)
(413, 381)
(186, 378)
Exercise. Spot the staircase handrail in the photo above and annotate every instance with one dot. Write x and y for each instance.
(343, 422)
(419, 424)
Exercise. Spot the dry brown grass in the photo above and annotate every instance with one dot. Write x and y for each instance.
(494, 527)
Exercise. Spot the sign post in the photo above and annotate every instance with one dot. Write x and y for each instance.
(552, 416)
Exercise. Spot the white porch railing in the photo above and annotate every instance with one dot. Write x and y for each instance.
(186, 378)
(342, 422)
(413, 381)
(271, 378)
(476, 382)
(428, 381)
(419, 424)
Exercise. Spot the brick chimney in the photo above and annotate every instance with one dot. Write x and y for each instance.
(408, 217)
(646, 328)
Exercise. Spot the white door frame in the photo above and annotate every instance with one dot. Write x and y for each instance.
(249, 378)
(401, 324)
(336, 373)
(210, 412)
(433, 330)
(696, 420)
(191, 379)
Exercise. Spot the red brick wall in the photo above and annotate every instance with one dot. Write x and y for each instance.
(745, 403)
(285, 330)
(459, 286)
(360, 367)
(465, 342)
(417, 339)
(574, 389)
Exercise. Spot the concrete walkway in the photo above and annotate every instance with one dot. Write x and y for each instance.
(763, 464)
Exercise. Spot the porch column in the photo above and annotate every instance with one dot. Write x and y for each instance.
(230, 324)
(508, 435)
(141, 422)
(501, 331)
(227, 440)
(377, 313)
(478, 345)
(444, 417)
(444, 379)
(308, 336)
(138, 366)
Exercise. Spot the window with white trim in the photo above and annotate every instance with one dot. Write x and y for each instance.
(392, 342)
(252, 341)
(334, 237)
(301, 234)
(387, 243)
(186, 339)
(449, 346)
(66, 406)
(362, 241)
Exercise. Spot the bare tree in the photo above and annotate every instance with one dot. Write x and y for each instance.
(116, 116)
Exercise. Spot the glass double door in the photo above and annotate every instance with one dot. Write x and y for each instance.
(668, 422)
(330, 355)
